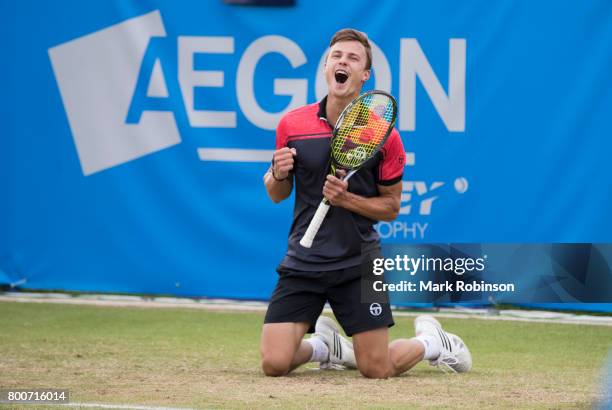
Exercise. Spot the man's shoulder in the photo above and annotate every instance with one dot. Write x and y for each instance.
(302, 121)
(394, 141)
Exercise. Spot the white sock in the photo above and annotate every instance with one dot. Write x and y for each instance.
(431, 345)
(320, 351)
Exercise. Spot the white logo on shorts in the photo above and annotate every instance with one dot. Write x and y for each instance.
(375, 309)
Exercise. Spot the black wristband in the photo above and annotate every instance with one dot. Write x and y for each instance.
(274, 176)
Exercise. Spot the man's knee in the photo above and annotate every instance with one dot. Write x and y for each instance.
(279, 344)
(275, 365)
(375, 370)
(374, 366)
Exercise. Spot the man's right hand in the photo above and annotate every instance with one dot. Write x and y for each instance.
(282, 161)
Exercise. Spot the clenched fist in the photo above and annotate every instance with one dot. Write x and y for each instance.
(282, 162)
(335, 188)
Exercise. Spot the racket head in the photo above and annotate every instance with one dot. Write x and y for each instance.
(362, 129)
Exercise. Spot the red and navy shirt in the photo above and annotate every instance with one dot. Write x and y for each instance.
(344, 236)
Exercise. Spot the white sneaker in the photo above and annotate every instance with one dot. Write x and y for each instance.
(341, 354)
(454, 354)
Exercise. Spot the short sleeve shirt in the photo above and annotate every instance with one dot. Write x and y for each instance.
(344, 236)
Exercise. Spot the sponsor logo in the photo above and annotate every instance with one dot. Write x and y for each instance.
(358, 154)
(417, 201)
(97, 76)
(126, 88)
(375, 309)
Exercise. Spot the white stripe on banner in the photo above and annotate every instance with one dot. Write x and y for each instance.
(255, 155)
(235, 155)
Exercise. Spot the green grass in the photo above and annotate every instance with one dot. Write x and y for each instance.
(203, 359)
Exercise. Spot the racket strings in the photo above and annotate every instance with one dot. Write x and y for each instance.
(362, 130)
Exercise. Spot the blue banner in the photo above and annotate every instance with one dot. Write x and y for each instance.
(135, 134)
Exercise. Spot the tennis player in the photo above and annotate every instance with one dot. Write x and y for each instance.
(331, 270)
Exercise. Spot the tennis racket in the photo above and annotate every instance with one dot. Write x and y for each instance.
(360, 132)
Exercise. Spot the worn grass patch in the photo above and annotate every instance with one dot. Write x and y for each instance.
(203, 359)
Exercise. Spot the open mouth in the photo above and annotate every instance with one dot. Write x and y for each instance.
(341, 76)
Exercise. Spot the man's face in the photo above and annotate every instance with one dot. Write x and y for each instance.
(345, 70)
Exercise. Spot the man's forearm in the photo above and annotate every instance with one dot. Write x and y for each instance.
(277, 190)
(379, 208)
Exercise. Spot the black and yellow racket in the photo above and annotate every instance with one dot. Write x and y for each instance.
(360, 132)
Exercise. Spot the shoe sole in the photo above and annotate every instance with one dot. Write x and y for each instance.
(445, 336)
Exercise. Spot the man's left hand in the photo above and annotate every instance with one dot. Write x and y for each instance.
(335, 189)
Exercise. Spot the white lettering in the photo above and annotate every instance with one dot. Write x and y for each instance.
(190, 78)
(296, 88)
(399, 229)
(413, 63)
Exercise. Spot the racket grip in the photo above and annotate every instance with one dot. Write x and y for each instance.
(315, 224)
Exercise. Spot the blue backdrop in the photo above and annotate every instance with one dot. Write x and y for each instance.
(134, 134)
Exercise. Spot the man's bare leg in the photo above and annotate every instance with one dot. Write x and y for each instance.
(283, 348)
(377, 358)
(405, 354)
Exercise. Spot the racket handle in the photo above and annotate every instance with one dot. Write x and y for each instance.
(315, 224)
(318, 218)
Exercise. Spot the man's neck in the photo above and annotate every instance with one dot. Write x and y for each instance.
(334, 107)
